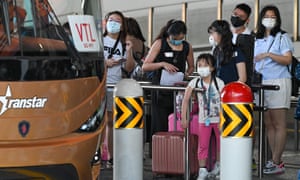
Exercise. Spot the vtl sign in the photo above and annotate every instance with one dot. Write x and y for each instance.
(84, 33)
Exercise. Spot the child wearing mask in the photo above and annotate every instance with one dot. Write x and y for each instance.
(209, 110)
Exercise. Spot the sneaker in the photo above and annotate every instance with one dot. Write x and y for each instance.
(103, 164)
(269, 164)
(254, 166)
(216, 170)
(203, 173)
(109, 164)
(274, 168)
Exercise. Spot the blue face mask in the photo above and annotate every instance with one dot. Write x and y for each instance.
(113, 26)
(176, 42)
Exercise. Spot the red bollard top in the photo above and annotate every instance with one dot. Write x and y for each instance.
(236, 92)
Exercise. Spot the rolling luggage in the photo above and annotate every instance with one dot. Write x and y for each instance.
(193, 124)
(168, 153)
(194, 128)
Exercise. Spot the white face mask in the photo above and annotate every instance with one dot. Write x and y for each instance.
(269, 23)
(203, 71)
(113, 26)
(212, 41)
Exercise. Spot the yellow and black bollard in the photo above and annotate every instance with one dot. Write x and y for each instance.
(236, 123)
(128, 131)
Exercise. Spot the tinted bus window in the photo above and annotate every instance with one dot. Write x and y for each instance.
(34, 45)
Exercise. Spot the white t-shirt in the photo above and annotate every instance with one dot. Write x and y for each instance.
(234, 37)
(214, 100)
(114, 74)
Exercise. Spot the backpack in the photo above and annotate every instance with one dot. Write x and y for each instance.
(245, 42)
(195, 104)
(294, 69)
(215, 82)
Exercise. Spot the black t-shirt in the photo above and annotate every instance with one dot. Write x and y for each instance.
(228, 72)
(176, 58)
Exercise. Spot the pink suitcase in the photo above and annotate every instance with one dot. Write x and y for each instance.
(194, 128)
(193, 124)
(168, 153)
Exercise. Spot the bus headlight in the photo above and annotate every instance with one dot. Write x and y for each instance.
(94, 121)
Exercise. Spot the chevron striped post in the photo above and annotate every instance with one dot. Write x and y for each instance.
(128, 131)
(236, 123)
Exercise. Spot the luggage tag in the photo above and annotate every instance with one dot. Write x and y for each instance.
(207, 122)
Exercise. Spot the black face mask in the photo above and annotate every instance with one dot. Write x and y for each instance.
(237, 21)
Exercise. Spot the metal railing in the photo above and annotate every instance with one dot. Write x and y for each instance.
(148, 86)
(262, 144)
(262, 137)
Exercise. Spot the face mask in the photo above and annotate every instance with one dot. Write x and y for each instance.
(176, 42)
(113, 26)
(269, 23)
(212, 41)
(237, 21)
(203, 71)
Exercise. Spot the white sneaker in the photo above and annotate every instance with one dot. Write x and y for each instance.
(274, 169)
(269, 164)
(216, 170)
(203, 173)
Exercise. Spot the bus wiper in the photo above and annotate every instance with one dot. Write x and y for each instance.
(76, 59)
(5, 20)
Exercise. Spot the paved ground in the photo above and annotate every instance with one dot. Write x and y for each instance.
(291, 157)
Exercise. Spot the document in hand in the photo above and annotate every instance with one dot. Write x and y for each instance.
(170, 78)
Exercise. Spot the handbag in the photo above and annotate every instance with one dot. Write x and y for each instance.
(256, 77)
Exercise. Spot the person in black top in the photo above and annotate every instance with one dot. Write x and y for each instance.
(168, 55)
(230, 60)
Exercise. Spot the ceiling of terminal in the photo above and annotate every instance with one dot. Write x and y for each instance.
(110, 5)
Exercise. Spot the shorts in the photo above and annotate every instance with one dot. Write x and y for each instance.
(277, 99)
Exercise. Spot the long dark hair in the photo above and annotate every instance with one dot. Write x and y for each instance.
(261, 28)
(123, 29)
(134, 29)
(225, 48)
(173, 27)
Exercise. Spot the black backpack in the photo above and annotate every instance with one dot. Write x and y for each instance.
(294, 69)
(245, 42)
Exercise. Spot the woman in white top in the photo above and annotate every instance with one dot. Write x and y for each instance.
(272, 55)
(118, 60)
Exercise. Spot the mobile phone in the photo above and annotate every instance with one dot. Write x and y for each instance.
(122, 60)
